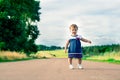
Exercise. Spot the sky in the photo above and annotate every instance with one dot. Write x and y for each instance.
(98, 21)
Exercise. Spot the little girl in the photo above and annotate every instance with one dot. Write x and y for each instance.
(75, 50)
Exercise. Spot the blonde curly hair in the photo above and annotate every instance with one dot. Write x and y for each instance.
(73, 26)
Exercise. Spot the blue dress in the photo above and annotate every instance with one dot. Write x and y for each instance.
(75, 50)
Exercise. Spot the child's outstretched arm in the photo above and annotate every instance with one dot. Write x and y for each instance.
(85, 40)
(66, 46)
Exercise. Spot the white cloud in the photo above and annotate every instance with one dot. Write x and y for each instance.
(98, 20)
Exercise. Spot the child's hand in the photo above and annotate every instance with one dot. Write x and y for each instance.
(65, 51)
(89, 42)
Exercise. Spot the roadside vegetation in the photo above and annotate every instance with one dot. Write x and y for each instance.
(8, 56)
(106, 53)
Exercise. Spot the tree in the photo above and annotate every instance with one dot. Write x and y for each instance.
(18, 29)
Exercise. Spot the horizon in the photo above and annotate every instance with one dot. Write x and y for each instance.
(81, 46)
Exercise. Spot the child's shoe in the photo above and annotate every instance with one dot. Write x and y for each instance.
(80, 66)
(71, 66)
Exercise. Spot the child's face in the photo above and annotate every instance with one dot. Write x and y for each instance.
(73, 30)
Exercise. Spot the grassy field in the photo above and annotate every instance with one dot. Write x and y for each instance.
(50, 54)
(7, 56)
(113, 57)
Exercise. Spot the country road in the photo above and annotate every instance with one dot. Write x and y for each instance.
(57, 69)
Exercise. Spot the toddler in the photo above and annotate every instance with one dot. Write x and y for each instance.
(74, 46)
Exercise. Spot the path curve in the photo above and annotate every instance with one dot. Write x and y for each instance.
(57, 69)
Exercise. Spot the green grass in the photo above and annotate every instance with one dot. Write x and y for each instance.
(112, 57)
(108, 61)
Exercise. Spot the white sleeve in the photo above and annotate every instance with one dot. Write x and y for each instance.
(79, 36)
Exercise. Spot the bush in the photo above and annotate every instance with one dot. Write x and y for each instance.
(10, 56)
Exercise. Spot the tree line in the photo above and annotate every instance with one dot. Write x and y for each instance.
(97, 50)
(88, 50)
(44, 47)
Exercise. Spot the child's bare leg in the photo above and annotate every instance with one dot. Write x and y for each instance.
(79, 60)
(79, 63)
(70, 61)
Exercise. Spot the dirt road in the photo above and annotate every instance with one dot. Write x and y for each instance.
(57, 69)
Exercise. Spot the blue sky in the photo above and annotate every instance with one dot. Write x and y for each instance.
(98, 20)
